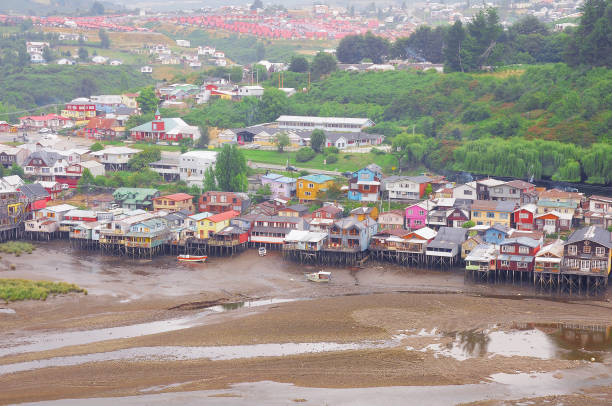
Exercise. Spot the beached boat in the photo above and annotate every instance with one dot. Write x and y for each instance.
(320, 276)
(262, 251)
(192, 258)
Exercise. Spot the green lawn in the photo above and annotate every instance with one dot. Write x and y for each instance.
(346, 162)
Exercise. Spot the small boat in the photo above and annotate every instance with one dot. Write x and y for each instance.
(192, 258)
(320, 276)
(262, 251)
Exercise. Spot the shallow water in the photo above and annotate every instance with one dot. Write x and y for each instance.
(179, 353)
(43, 342)
(590, 343)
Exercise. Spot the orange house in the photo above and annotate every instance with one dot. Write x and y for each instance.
(174, 202)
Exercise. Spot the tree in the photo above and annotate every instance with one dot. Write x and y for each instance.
(351, 49)
(452, 51)
(104, 39)
(147, 100)
(97, 9)
(48, 54)
(209, 179)
(323, 64)
(273, 103)
(96, 147)
(257, 4)
(231, 170)
(299, 64)
(83, 54)
(263, 193)
(428, 190)
(317, 140)
(86, 181)
(282, 141)
(260, 72)
(333, 192)
(305, 154)
(468, 224)
(236, 73)
(591, 43)
(142, 159)
(202, 142)
(16, 170)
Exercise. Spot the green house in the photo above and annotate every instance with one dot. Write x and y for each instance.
(133, 198)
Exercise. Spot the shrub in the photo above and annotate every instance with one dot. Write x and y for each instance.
(330, 159)
(377, 151)
(475, 113)
(331, 150)
(21, 289)
(305, 154)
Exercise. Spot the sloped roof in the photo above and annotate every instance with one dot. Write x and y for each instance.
(34, 191)
(177, 197)
(317, 178)
(448, 237)
(593, 234)
(169, 125)
(226, 215)
(49, 158)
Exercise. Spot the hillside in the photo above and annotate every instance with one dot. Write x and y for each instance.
(41, 85)
(548, 121)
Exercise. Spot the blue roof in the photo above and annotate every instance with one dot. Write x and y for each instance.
(317, 178)
(279, 178)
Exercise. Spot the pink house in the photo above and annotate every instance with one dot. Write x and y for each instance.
(280, 186)
(416, 215)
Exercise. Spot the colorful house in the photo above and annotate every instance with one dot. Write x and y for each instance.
(350, 234)
(280, 186)
(406, 187)
(135, 198)
(517, 254)
(553, 222)
(101, 128)
(311, 187)
(164, 129)
(364, 212)
(174, 202)
(486, 212)
(219, 202)
(80, 109)
(469, 245)
(215, 223)
(523, 217)
(295, 210)
(416, 215)
(548, 259)
(364, 185)
(496, 234)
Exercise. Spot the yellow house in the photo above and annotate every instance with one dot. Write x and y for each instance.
(309, 187)
(361, 213)
(215, 223)
(492, 212)
(174, 202)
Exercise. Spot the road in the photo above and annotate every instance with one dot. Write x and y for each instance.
(259, 165)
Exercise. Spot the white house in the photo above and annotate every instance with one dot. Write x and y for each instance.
(99, 59)
(36, 47)
(466, 192)
(193, 165)
(206, 50)
(221, 62)
(37, 58)
(218, 54)
(324, 123)
(405, 187)
(65, 61)
(115, 158)
(146, 69)
(183, 43)
(255, 91)
(115, 62)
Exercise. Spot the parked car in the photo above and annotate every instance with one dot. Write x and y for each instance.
(347, 174)
(291, 168)
(44, 130)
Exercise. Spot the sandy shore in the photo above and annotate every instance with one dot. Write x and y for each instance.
(360, 331)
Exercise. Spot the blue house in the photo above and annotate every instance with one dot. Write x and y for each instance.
(350, 234)
(364, 185)
(495, 234)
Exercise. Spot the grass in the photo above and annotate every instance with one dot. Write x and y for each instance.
(12, 290)
(16, 247)
(346, 162)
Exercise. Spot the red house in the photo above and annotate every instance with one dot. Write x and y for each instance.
(456, 217)
(219, 202)
(517, 254)
(101, 128)
(81, 215)
(523, 217)
(52, 187)
(327, 212)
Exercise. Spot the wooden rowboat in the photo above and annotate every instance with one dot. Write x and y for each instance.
(192, 258)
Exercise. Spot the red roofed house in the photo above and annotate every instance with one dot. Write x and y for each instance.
(101, 128)
(49, 121)
(523, 217)
(174, 202)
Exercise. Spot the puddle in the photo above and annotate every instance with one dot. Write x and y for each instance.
(52, 341)
(178, 353)
(160, 388)
(7, 311)
(555, 341)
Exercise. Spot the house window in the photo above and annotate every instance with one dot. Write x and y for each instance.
(522, 264)
(507, 248)
(475, 214)
(599, 251)
(586, 249)
(421, 213)
(467, 192)
(490, 215)
(524, 215)
(307, 193)
(572, 250)
(523, 250)
(311, 185)
(585, 264)
(504, 263)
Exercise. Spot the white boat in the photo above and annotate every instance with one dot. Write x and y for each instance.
(320, 276)
(192, 258)
(262, 251)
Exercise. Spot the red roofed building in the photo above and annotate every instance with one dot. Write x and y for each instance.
(101, 128)
(174, 202)
(209, 226)
(49, 121)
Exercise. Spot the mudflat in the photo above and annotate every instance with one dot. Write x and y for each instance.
(158, 328)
